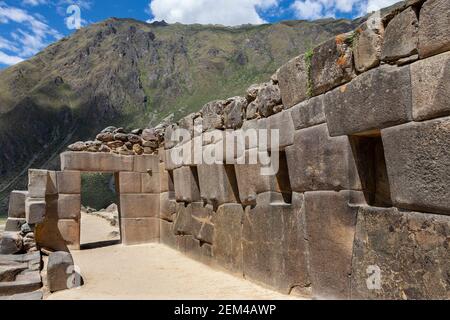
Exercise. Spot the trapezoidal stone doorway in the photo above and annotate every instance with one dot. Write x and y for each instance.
(138, 191)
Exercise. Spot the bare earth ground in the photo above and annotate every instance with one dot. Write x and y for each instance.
(152, 272)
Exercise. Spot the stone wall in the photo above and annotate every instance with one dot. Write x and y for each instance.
(359, 206)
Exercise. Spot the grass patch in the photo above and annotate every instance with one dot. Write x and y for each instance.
(308, 60)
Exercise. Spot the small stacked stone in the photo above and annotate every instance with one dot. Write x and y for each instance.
(119, 141)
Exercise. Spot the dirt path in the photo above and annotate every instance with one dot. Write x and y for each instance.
(96, 229)
(155, 272)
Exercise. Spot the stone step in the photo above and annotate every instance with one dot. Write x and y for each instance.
(35, 295)
(25, 283)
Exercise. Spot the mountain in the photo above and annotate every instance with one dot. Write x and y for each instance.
(129, 73)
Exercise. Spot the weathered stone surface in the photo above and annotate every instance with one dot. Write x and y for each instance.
(212, 114)
(331, 64)
(201, 226)
(140, 230)
(250, 179)
(376, 99)
(29, 296)
(169, 136)
(283, 123)
(166, 179)
(69, 230)
(187, 123)
(367, 44)
(174, 158)
(269, 97)
(168, 206)
(69, 182)
(37, 183)
(77, 146)
(418, 164)
(8, 273)
(274, 249)
(430, 81)
(167, 234)
(69, 206)
(27, 282)
(96, 162)
(308, 113)
(35, 210)
(14, 224)
(139, 205)
(250, 134)
(150, 182)
(401, 38)
(197, 250)
(222, 189)
(10, 243)
(183, 223)
(434, 29)
(146, 163)
(227, 246)
(319, 162)
(330, 219)
(130, 182)
(17, 204)
(252, 111)
(409, 249)
(186, 184)
(60, 272)
(234, 112)
(252, 91)
(293, 81)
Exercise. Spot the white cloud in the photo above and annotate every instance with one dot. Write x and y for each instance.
(9, 60)
(225, 12)
(32, 34)
(316, 9)
(34, 3)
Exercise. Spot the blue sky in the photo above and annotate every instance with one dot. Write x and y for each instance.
(28, 26)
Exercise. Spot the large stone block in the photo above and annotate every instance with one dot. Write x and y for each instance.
(234, 112)
(222, 189)
(168, 206)
(330, 219)
(434, 29)
(367, 44)
(146, 163)
(308, 113)
(96, 162)
(401, 255)
(212, 114)
(401, 36)
(227, 242)
(319, 162)
(130, 182)
(140, 230)
(35, 210)
(69, 206)
(174, 158)
(150, 182)
(274, 246)
(201, 225)
(283, 123)
(430, 81)
(61, 274)
(17, 204)
(197, 250)
(38, 183)
(250, 178)
(186, 184)
(293, 81)
(10, 243)
(14, 224)
(139, 205)
(376, 99)
(331, 64)
(69, 182)
(418, 165)
(26, 282)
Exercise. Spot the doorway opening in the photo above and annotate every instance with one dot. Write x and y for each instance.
(100, 219)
